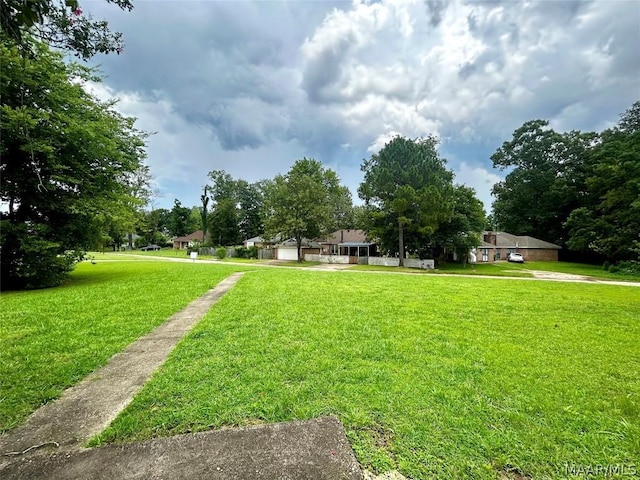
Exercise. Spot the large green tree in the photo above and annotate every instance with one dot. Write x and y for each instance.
(66, 158)
(223, 219)
(463, 231)
(545, 184)
(179, 220)
(408, 191)
(303, 203)
(608, 220)
(250, 197)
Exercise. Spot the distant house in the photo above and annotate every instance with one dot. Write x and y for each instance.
(288, 250)
(258, 242)
(349, 242)
(180, 243)
(496, 246)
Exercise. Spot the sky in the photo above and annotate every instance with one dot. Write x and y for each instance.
(251, 87)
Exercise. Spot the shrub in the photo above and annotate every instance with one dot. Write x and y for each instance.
(30, 260)
(629, 267)
(221, 253)
(605, 265)
(614, 269)
(252, 252)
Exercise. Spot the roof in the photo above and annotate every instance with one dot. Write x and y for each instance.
(305, 243)
(197, 235)
(508, 240)
(343, 237)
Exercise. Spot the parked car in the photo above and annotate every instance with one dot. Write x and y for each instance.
(150, 247)
(515, 257)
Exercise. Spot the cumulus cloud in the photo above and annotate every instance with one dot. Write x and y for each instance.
(261, 84)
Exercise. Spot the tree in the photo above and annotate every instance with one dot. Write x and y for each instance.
(60, 24)
(408, 191)
(179, 221)
(303, 203)
(250, 197)
(608, 220)
(65, 159)
(463, 230)
(223, 221)
(546, 183)
(204, 212)
(237, 208)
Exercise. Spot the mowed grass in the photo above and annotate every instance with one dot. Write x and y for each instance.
(438, 377)
(51, 339)
(480, 269)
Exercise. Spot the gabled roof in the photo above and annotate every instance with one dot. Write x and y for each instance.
(192, 237)
(353, 236)
(259, 239)
(305, 243)
(508, 240)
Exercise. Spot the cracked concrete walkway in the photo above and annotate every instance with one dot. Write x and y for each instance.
(87, 408)
(315, 448)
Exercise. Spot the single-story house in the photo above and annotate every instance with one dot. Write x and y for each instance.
(258, 242)
(351, 242)
(496, 246)
(288, 250)
(180, 243)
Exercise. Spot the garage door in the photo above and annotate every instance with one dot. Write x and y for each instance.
(287, 253)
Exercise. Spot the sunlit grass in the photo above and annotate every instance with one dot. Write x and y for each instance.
(51, 339)
(490, 269)
(439, 377)
(595, 271)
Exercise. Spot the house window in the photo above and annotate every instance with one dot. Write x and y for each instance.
(485, 254)
(498, 254)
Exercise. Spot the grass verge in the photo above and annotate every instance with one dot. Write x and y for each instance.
(480, 269)
(439, 377)
(51, 339)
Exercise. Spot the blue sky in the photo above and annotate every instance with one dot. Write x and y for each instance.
(250, 87)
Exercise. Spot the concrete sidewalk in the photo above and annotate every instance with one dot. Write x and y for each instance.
(315, 449)
(50, 444)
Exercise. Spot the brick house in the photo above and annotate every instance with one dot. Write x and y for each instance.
(188, 240)
(496, 246)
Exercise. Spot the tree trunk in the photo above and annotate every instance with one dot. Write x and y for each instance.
(299, 244)
(401, 242)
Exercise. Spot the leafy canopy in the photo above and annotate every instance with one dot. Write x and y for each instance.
(307, 202)
(68, 166)
(60, 24)
(408, 191)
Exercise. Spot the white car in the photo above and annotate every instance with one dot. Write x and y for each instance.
(515, 257)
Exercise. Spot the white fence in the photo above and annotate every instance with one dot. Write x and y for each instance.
(381, 261)
(427, 264)
(313, 257)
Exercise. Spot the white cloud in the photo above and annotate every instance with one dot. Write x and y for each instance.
(250, 87)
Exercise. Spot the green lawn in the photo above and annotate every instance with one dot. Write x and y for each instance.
(480, 269)
(51, 339)
(595, 271)
(439, 377)
(506, 269)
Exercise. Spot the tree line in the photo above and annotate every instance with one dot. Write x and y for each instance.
(74, 178)
(411, 204)
(579, 190)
